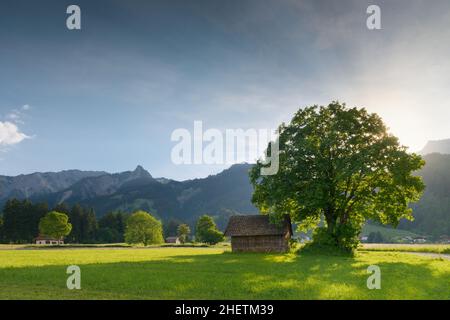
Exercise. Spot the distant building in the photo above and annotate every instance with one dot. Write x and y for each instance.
(364, 238)
(48, 240)
(175, 240)
(255, 233)
(444, 239)
(420, 240)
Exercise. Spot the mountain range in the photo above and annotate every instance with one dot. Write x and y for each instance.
(220, 195)
(29, 185)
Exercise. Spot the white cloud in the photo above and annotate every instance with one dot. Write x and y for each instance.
(10, 134)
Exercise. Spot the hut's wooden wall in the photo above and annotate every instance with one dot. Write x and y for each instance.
(259, 243)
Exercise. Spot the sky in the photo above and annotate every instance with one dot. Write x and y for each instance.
(109, 96)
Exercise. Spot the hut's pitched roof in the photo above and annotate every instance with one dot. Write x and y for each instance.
(257, 225)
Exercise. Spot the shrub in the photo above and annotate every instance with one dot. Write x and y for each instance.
(344, 240)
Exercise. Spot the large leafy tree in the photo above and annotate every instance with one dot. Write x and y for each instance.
(143, 228)
(55, 224)
(340, 164)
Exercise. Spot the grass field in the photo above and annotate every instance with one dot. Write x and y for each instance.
(214, 273)
(429, 248)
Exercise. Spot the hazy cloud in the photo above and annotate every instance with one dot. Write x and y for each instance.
(10, 134)
(17, 115)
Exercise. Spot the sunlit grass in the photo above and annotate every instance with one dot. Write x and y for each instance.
(209, 273)
(65, 257)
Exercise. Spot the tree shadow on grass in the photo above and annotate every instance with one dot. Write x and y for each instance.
(233, 276)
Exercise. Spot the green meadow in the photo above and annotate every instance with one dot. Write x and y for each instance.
(216, 273)
(426, 248)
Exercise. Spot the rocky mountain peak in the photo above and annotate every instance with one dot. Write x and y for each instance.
(140, 172)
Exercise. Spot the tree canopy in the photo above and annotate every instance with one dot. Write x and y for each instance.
(143, 228)
(206, 231)
(341, 165)
(55, 224)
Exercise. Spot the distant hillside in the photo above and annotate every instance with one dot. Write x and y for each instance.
(437, 146)
(432, 212)
(389, 234)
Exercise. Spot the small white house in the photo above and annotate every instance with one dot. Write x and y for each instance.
(48, 240)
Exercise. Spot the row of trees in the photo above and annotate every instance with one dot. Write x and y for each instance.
(143, 228)
(206, 230)
(22, 221)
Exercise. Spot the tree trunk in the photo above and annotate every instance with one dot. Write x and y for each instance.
(331, 221)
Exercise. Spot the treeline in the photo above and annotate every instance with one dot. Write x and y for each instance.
(20, 223)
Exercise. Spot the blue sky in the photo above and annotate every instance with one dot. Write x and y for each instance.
(108, 97)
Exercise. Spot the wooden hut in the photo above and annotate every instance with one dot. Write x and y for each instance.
(255, 233)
